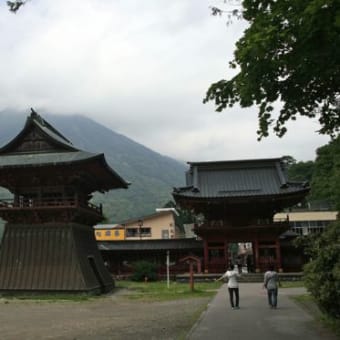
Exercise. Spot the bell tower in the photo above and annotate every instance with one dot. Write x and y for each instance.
(48, 243)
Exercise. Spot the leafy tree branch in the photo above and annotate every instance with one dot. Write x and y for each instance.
(14, 6)
(290, 53)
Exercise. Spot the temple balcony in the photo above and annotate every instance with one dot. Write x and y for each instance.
(49, 206)
(47, 202)
(241, 231)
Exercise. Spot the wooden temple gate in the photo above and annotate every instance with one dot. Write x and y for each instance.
(265, 246)
(235, 202)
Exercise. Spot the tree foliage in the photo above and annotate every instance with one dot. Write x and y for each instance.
(144, 271)
(184, 216)
(15, 5)
(326, 175)
(323, 173)
(301, 171)
(322, 273)
(289, 53)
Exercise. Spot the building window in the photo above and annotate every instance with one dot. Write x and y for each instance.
(98, 233)
(108, 233)
(309, 227)
(146, 232)
(132, 232)
(116, 233)
(165, 233)
(138, 232)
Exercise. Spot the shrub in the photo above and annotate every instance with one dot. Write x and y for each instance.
(144, 271)
(322, 273)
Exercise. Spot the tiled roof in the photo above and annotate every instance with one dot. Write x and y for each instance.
(50, 133)
(63, 158)
(151, 244)
(62, 152)
(231, 179)
(43, 159)
(49, 130)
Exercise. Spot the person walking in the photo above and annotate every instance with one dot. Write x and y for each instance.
(270, 282)
(232, 275)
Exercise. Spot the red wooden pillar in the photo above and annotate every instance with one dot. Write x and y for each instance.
(191, 271)
(226, 254)
(206, 256)
(257, 255)
(278, 255)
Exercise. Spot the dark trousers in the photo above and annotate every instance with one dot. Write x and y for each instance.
(233, 292)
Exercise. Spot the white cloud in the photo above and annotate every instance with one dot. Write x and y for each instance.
(141, 68)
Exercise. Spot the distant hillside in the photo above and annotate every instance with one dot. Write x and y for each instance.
(152, 175)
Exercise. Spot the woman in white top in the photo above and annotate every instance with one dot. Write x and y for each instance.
(232, 275)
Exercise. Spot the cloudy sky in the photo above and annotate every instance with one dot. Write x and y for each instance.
(140, 68)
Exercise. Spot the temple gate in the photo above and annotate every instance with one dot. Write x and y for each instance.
(235, 202)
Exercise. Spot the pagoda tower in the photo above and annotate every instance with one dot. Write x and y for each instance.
(48, 243)
(236, 202)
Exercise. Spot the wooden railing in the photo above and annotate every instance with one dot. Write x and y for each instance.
(47, 202)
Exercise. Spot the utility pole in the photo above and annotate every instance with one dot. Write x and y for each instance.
(168, 268)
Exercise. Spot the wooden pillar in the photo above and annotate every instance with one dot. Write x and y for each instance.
(257, 255)
(278, 255)
(191, 278)
(226, 254)
(206, 256)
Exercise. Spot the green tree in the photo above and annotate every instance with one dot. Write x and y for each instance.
(15, 5)
(322, 273)
(184, 216)
(298, 171)
(326, 174)
(301, 171)
(289, 53)
(144, 271)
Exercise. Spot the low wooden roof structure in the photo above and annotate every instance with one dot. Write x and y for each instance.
(140, 245)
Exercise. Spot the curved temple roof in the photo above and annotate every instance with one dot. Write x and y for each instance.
(39, 144)
(238, 179)
(46, 129)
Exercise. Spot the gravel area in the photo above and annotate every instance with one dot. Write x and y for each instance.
(108, 317)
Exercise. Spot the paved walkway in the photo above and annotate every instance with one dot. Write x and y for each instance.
(255, 320)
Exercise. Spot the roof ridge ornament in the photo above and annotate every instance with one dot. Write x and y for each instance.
(35, 115)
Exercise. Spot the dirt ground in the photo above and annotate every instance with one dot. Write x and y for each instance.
(109, 317)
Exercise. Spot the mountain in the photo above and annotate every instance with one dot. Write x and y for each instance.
(151, 174)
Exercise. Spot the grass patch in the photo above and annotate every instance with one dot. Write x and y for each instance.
(151, 291)
(307, 302)
(333, 324)
(291, 284)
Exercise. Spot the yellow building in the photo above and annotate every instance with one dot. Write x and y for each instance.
(109, 232)
(160, 225)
